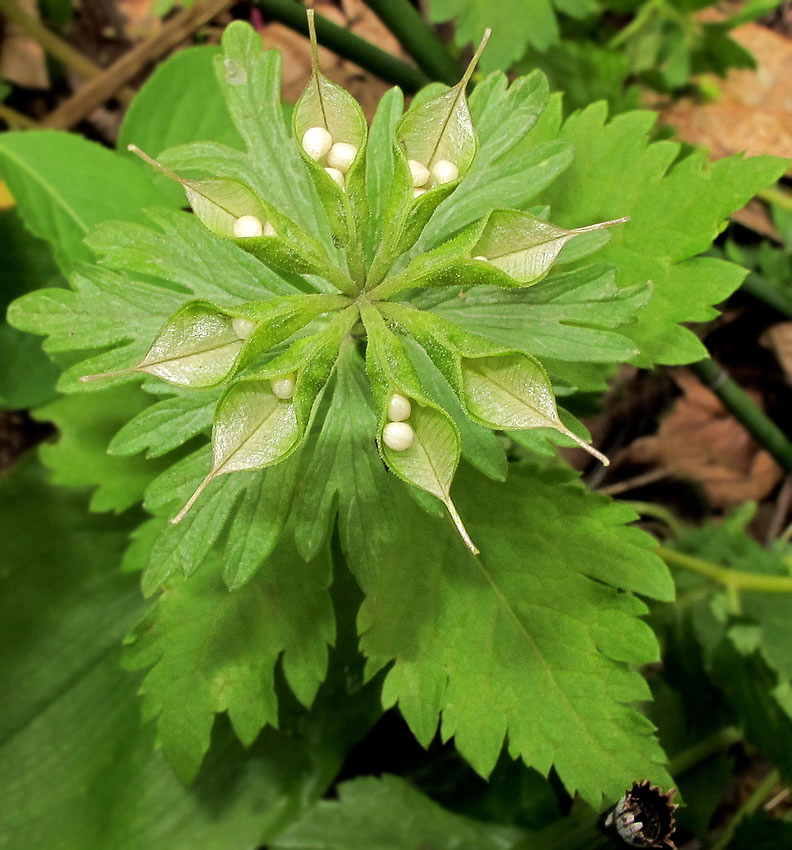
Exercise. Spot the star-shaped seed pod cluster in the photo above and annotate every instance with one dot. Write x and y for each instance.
(272, 358)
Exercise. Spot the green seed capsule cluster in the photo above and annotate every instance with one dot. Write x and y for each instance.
(337, 157)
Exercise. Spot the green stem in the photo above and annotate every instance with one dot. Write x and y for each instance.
(775, 196)
(770, 293)
(346, 44)
(762, 429)
(417, 38)
(658, 512)
(16, 120)
(756, 799)
(734, 579)
(701, 750)
(624, 34)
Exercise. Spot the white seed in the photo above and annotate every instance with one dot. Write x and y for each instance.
(480, 257)
(243, 328)
(269, 230)
(337, 176)
(444, 171)
(420, 173)
(418, 192)
(247, 226)
(283, 387)
(316, 142)
(399, 408)
(341, 156)
(398, 436)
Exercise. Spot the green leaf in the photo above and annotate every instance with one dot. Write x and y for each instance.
(166, 425)
(534, 641)
(250, 81)
(342, 454)
(64, 185)
(28, 376)
(569, 317)
(386, 812)
(380, 164)
(180, 102)
(77, 766)
(182, 252)
(675, 212)
(285, 610)
(513, 26)
(79, 457)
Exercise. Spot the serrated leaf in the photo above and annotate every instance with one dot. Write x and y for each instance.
(285, 610)
(64, 185)
(79, 456)
(568, 317)
(179, 102)
(387, 812)
(27, 378)
(342, 455)
(513, 26)
(675, 209)
(181, 252)
(503, 645)
(166, 425)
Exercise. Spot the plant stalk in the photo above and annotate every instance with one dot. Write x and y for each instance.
(761, 792)
(771, 294)
(758, 425)
(16, 120)
(56, 46)
(347, 45)
(417, 38)
(702, 750)
(734, 580)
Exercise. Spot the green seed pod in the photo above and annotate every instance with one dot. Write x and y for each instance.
(330, 129)
(231, 210)
(426, 452)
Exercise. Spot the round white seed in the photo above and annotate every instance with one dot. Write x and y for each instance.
(444, 171)
(418, 192)
(247, 226)
(398, 436)
(243, 328)
(269, 230)
(316, 142)
(283, 387)
(480, 257)
(341, 156)
(419, 172)
(337, 176)
(399, 408)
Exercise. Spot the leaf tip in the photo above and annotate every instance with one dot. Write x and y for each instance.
(460, 527)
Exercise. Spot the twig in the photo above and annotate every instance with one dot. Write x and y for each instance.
(98, 90)
(417, 38)
(634, 483)
(760, 427)
(748, 808)
(657, 512)
(56, 46)
(16, 120)
(347, 45)
(780, 511)
(701, 750)
(734, 580)
(765, 290)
